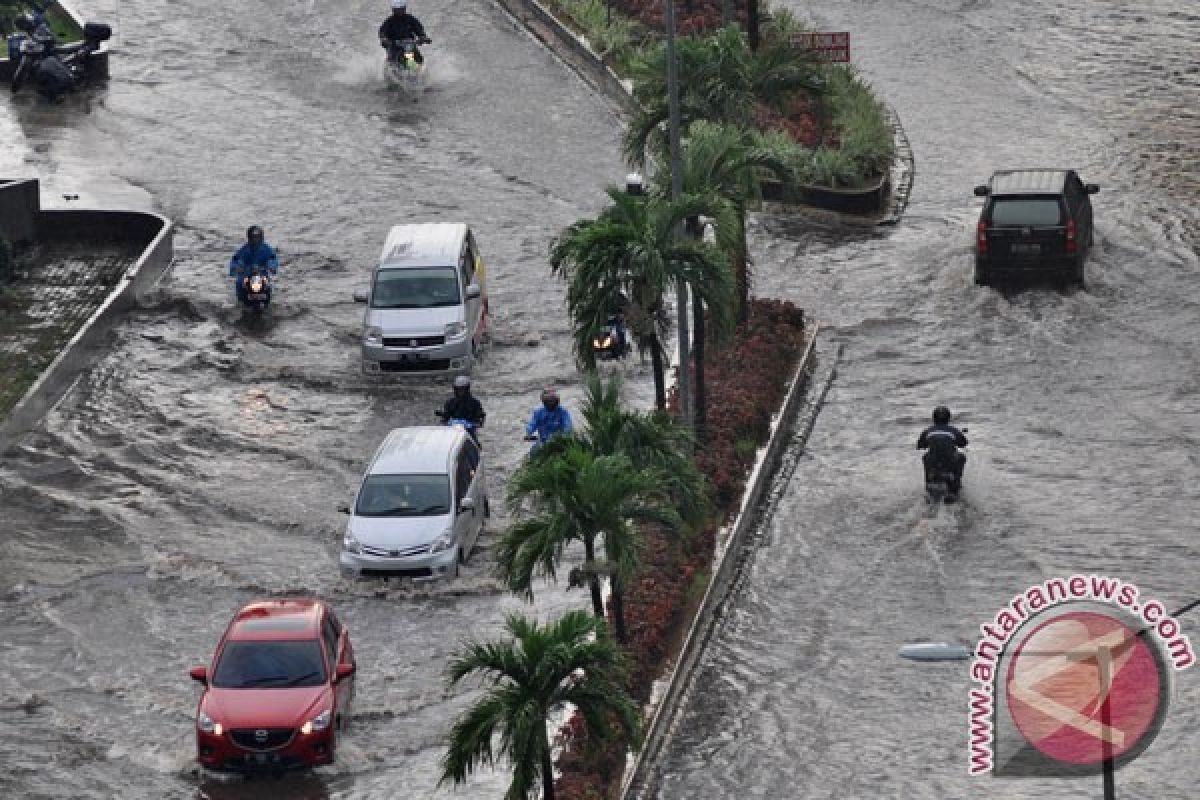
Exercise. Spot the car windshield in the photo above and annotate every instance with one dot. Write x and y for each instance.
(404, 496)
(424, 287)
(270, 665)
(1026, 211)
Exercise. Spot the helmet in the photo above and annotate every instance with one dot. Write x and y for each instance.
(550, 397)
(462, 382)
(254, 232)
(941, 416)
(399, 4)
(25, 23)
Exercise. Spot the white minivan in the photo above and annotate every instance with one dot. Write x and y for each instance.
(420, 507)
(427, 303)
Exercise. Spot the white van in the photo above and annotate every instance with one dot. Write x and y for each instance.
(427, 303)
(420, 508)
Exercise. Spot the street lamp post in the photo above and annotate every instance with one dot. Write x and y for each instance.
(681, 302)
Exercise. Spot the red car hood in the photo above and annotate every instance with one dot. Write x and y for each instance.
(266, 708)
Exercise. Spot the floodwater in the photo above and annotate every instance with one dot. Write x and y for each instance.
(200, 464)
(1082, 408)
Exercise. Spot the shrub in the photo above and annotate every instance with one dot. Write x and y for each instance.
(746, 381)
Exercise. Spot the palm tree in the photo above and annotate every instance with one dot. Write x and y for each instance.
(570, 661)
(721, 80)
(578, 495)
(730, 161)
(632, 247)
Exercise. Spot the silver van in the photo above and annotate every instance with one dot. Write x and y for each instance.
(427, 304)
(420, 508)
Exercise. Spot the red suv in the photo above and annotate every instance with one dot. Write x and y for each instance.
(280, 688)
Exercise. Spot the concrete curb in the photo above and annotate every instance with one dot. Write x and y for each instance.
(574, 50)
(725, 576)
(79, 353)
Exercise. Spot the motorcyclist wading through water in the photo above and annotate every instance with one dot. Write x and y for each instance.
(402, 25)
(941, 442)
(254, 256)
(464, 405)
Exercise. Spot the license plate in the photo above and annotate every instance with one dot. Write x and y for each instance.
(1027, 249)
(412, 357)
(261, 758)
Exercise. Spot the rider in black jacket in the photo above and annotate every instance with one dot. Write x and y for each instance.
(941, 441)
(402, 25)
(464, 405)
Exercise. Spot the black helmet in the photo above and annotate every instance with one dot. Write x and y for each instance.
(254, 232)
(941, 416)
(462, 382)
(550, 397)
(25, 23)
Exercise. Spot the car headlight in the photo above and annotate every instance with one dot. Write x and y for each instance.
(456, 330)
(350, 544)
(206, 724)
(318, 723)
(443, 542)
(373, 335)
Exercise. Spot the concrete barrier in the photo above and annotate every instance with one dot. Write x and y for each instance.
(640, 778)
(156, 232)
(20, 204)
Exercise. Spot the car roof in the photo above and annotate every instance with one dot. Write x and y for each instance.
(419, 450)
(431, 244)
(290, 618)
(1028, 181)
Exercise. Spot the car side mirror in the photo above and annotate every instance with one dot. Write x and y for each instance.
(360, 297)
(1091, 188)
(344, 671)
(982, 191)
(465, 505)
(473, 291)
(199, 675)
(344, 508)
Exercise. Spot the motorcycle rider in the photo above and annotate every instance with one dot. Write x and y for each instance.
(254, 256)
(464, 405)
(550, 419)
(402, 25)
(941, 441)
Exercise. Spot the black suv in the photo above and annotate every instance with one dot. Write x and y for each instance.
(1035, 223)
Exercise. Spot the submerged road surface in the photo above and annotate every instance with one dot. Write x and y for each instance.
(199, 465)
(1082, 407)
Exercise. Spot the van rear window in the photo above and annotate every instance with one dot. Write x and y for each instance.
(423, 287)
(1026, 211)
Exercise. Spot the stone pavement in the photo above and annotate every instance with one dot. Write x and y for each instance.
(58, 287)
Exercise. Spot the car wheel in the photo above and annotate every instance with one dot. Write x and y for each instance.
(981, 275)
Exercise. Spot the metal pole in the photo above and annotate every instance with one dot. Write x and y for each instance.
(681, 302)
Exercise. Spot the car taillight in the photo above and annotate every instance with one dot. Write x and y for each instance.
(1070, 235)
(981, 237)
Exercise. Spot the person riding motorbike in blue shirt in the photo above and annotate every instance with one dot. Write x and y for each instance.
(402, 25)
(941, 441)
(254, 256)
(549, 420)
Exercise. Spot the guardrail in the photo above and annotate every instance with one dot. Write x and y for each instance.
(640, 778)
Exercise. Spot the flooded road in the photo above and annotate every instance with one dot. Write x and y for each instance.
(200, 464)
(1081, 407)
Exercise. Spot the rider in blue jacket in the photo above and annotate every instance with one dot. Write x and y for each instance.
(254, 255)
(548, 420)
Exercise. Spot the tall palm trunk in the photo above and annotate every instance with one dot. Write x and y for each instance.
(618, 606)
(699, 396)
(741, 265)
(589, 553)
(752, 23)
(547, 768)
(660, 383)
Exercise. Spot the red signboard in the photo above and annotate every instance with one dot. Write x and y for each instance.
(825, 46)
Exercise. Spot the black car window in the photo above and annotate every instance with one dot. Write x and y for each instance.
(463, 475)
(331, 642)
(270, 665)
(1026, 211)
(403, 496)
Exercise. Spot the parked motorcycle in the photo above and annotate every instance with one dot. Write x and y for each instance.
(53, 70)
(457, 422)
(402, 68)
(941, 484)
